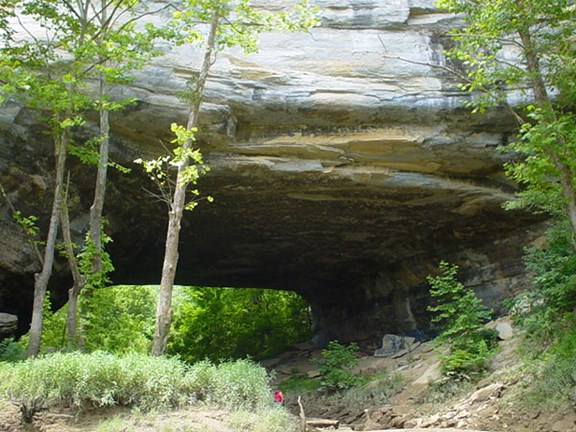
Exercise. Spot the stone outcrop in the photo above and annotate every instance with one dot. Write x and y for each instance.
(8, 324)
(343, 167)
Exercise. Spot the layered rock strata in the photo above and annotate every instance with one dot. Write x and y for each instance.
(343, 167)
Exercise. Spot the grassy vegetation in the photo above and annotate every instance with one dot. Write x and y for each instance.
(547, 313)
(134, 380)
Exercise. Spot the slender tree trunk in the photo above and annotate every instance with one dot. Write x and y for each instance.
(164, 307)
(41, 279)
(543, 101)
(78, 280)
(97, 207)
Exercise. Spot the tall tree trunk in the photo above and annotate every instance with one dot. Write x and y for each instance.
(164, 307)
(97, 208)
(542, 99)
(41, 279)
(78, 280)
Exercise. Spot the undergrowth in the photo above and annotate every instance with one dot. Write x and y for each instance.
(366, 390)
(138, 381)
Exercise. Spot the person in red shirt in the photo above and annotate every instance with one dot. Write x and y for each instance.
(278, 398)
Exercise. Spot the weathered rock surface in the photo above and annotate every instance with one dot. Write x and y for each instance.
(8, 324)
(343, 167)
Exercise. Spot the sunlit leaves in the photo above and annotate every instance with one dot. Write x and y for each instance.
(526, 46)
(240, 23)
(181, 168)
(220, 323)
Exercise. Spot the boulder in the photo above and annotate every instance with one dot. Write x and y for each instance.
(391, 344)
(504, 330)
(8, 325)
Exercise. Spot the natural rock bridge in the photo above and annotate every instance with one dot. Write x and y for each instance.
(343, 167)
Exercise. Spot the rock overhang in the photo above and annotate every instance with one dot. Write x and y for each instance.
(343, 167)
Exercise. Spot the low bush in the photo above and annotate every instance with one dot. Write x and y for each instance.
(372, 391)
(240, 384)
(554, 382)
(335, 367)
(444, 391)
(299, 382)
(269, 420)
(134, 380)
(97, 379)
(11, 351)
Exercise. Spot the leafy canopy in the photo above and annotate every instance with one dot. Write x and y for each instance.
(520, 55)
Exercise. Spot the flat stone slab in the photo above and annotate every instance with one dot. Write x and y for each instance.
(8, 323)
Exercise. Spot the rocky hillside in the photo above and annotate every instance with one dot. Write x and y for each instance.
(420, 398)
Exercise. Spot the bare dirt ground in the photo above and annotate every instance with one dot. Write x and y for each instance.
(491, 405)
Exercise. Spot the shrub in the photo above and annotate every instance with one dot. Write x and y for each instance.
(461, 315)
(376, 391)
(555, 379)
(11, 351)
(98, 379)
(133, 380)
(542, 309)
(299, 382)
(335, 366)
(270, 420)
(240, 384)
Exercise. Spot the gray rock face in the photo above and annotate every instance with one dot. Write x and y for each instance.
(8, 325)
(343, 167)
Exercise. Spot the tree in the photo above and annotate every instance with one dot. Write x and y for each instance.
(30, 71)
(218, 323)
(6, 11)
(461, 315)
(111, 48)
(85, 40)
(538, 34)
(231, 23)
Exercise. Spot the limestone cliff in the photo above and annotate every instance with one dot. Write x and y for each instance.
(343, 167)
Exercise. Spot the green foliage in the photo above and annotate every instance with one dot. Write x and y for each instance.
(121, 321)
(461, 315)
(241, 24)
(371, 391)
(240, 384)
(299, 383)
(544, 144)
(440, 392)
(543, 308)
(183, 167)
(134, 380)
(271, 420)
(219, 323)
(28, 226)
(336, 366)
(526, 47)
(97, 379)
(95, 280)
(367, 390)
(11, 351)
(210, 323)
(554, 382)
